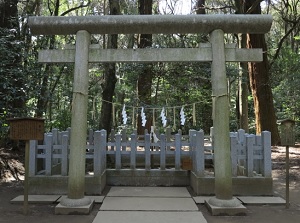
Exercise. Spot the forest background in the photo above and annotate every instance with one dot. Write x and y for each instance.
(260, 93)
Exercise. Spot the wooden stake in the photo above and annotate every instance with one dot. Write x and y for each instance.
(26, 185)
(287, 178)
(194, 114)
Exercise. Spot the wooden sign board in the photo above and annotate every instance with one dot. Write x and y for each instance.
(287, 133)
(26, 128)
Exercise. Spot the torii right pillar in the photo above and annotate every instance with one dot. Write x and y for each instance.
(223, 203)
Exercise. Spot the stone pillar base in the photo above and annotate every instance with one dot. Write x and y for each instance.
(218, 207)
(69, 206)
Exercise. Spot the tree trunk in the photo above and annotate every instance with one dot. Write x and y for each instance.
(146, 76)
(243, 96)
(200, 7)
(242, 99)
(43, 97)
(109, 76)
(259, 75)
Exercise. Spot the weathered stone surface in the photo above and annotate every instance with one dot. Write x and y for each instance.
(36, 199)
(222, 158)
(203, 54)
(76, 181)
(148, 204)
(226, 211)
(255, 200)
(97, 199)
(75, 202)
(78, 210)
(148, 192)
(140, 177)
(201, 199)
(149, 217)
(59, 184)
(233, 202)
(245, 186)
(55, 25)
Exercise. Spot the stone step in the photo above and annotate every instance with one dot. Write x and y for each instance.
(148, 204)
(149, 217)
(148, 192)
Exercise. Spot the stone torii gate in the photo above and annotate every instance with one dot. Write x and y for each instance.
(216, 52)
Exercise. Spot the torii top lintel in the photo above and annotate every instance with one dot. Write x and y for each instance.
(150, 24)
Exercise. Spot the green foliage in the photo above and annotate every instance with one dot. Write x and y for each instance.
(12, 89)
(286, 83)
(61, 120)
(173, 85)
(10, 69)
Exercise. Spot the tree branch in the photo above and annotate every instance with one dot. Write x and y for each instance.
(75, 8)
(49, 7)
(282, 40)
(253, 7)
(203, 7)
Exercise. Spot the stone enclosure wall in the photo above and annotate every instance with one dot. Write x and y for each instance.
(139, 160)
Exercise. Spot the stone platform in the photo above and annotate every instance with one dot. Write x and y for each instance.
(149, 204)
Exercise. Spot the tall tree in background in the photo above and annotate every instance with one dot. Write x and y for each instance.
(259, 75)
(110, 79)
(146, 75)
(12, 86)
(242, 96)
(45, 90)
(44, 94)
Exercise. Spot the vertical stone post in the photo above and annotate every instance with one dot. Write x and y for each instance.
(223, 182)
(222, 156)
(79, 117)
(76, 181)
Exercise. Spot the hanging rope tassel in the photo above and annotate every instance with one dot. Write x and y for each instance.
(113, 114)
(174, 119)
(153, 117)
(94, 109)
(133, 116)
(194, 114)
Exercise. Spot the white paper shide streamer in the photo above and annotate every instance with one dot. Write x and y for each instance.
(143, 116)
(182, 116)
(163, 117)
(153, 135)
(124, 115)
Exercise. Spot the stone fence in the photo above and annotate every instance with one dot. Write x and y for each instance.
(151, 159)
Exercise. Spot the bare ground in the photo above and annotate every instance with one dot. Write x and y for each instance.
(11, 185)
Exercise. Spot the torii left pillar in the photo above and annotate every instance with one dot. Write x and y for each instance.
(76, 202)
